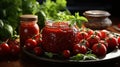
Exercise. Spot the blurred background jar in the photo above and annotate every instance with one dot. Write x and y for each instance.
(97, 19)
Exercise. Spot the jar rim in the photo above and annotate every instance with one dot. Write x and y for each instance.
(51, 23)
(28, 17)
(96, 13)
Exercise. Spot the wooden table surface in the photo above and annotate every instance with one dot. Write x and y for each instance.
(26, 61)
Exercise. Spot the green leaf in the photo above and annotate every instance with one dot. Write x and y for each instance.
(4, 13)
(52, 8)
(42, 18)
(6, 31)
(83, 19)
(90, 57)
(76, 15)
(79, 23)
(79, 19)
(61, 4)
(77, 57)
(72, 22)
(49, 54)
(1, 24)
(30, 6)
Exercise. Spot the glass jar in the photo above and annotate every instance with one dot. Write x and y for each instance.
(28, 27)
(97, 19)
(58, 36)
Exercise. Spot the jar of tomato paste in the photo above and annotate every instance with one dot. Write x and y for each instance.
(58, 36)
(28, 27)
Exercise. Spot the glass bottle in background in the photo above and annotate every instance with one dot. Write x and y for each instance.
(28, 27)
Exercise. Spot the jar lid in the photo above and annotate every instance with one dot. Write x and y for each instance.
(28, 17)
(96, 13)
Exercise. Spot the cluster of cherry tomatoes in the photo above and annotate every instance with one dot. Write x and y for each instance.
(99, 42)
(34, 44)
(10, 47)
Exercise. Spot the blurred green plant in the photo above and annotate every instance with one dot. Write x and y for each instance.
(10, 10)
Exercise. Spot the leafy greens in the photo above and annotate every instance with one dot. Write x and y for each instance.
(10, 10)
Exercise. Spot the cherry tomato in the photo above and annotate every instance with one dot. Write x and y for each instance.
(30, 43)
(66, 53)
(89, 31)
(4, 49)
(104, 42)
(99, 49)
(38, 51)
(98, 34)
(85, 42)
(104, 34)
(82, 35)
(15, 50)
(38, 38)
(93, 39)
(112, 42)
(79, 49)
(39, 41)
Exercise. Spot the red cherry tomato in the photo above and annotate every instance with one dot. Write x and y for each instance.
(98, 34)
(79, 49)
(85, 42)
(4, 49)
(15, 50)
(38, 51)
(112, 42)
(99, 49)
(89, 31)
(38, 38)
(66, 53)
(93, 39)
(104, 34)
(104, 42)
(82, 35)
(30, 43)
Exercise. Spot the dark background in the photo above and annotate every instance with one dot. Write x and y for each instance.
(83, 5)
